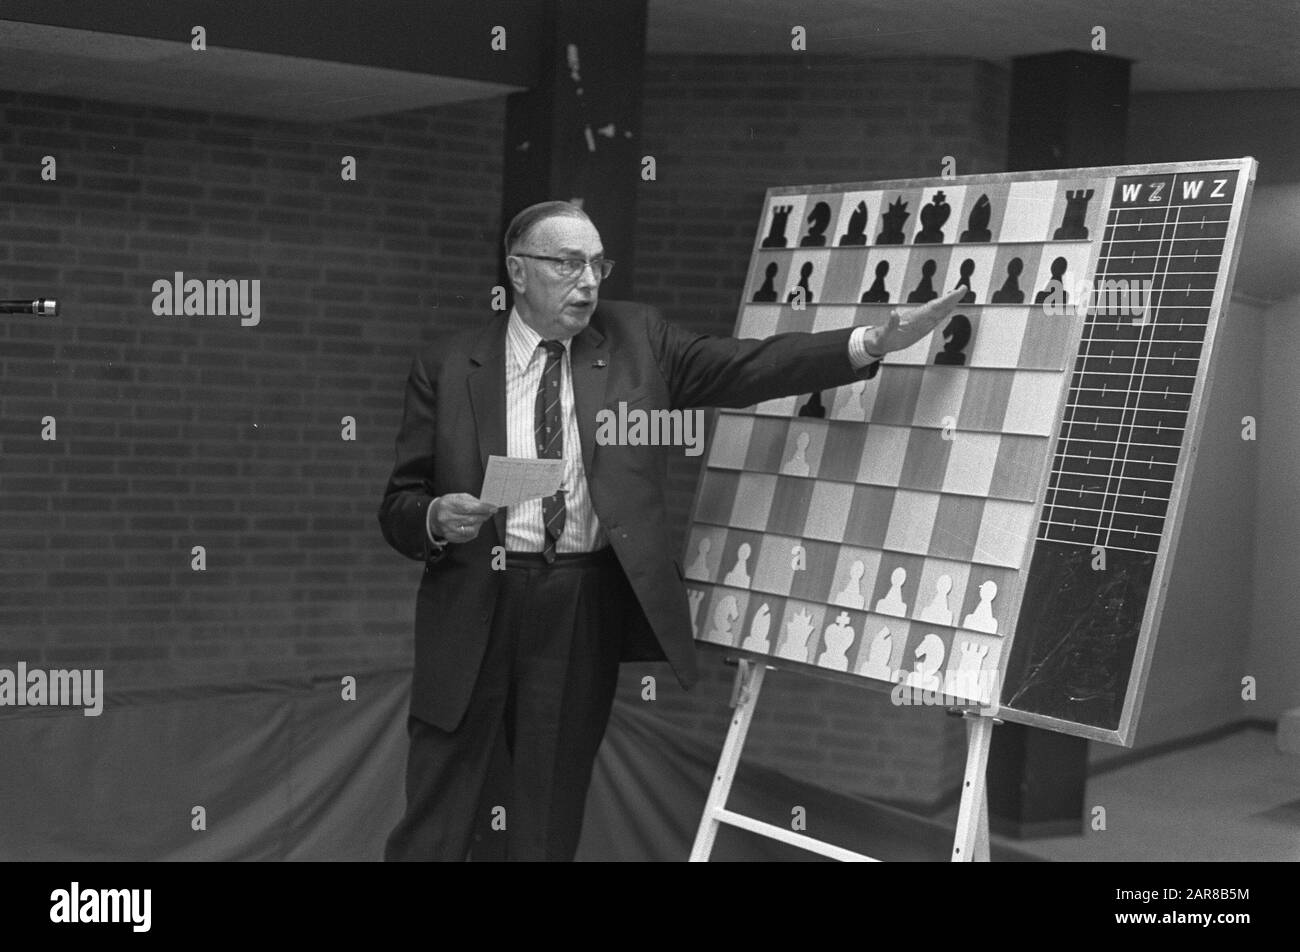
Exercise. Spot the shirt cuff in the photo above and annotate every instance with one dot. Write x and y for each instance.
(858, 355)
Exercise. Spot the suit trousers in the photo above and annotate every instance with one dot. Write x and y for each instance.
(526, 745)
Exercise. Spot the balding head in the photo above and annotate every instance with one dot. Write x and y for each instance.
(523, 224)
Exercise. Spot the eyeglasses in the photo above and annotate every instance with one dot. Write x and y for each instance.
(573, 267)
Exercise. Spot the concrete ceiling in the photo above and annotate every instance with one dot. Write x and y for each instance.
(143, 71)
(1174, 44)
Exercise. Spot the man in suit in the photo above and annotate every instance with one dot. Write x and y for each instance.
(523, 615)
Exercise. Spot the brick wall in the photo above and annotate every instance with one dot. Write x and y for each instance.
(183, 431)
(722, 131)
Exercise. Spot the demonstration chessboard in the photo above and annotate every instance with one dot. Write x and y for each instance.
(892, 529)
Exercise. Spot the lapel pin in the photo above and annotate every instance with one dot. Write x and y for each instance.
(598, 363)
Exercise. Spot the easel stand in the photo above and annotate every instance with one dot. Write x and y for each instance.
(972, 839)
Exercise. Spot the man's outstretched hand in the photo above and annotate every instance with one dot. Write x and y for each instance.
(908, 325)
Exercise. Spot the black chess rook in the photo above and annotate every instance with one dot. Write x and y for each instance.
(1076, 212)
(776, 234)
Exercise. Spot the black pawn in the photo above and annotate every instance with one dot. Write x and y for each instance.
(877, 293)
(804, 274)
(1010, 292)
(767, 292)
(978, 223)
(1056, 286)
(817, 222)
(857, 233)
(925, 289)
(963, 280)
(814, 407)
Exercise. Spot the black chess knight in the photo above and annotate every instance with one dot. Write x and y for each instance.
(956, 336)
(1076, 211)
(933, 217)
(818, 219)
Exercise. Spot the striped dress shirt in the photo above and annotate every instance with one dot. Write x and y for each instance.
(525, 361)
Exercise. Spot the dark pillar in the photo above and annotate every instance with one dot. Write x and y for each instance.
(1068, 110)
(576, 135)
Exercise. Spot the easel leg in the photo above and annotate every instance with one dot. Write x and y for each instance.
(982, 836)
(971, 843)
(749, 680)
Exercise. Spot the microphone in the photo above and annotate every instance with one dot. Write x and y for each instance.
(43, 307)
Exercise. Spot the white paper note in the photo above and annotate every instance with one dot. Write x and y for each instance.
(510, 480)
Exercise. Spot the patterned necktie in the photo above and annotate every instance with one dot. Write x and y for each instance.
(548, 426)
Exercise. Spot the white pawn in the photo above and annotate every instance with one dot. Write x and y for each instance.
(837, 638)
(892, 603)
(850, 407)
(981, 619)
(938, 612)
(756, 640)
(867, 396)
(726, 612)
(700, 567)
(878, 655)
(798, 463)
(852, 596)
(739, 575)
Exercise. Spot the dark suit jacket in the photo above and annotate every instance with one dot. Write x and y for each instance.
(455, 417)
